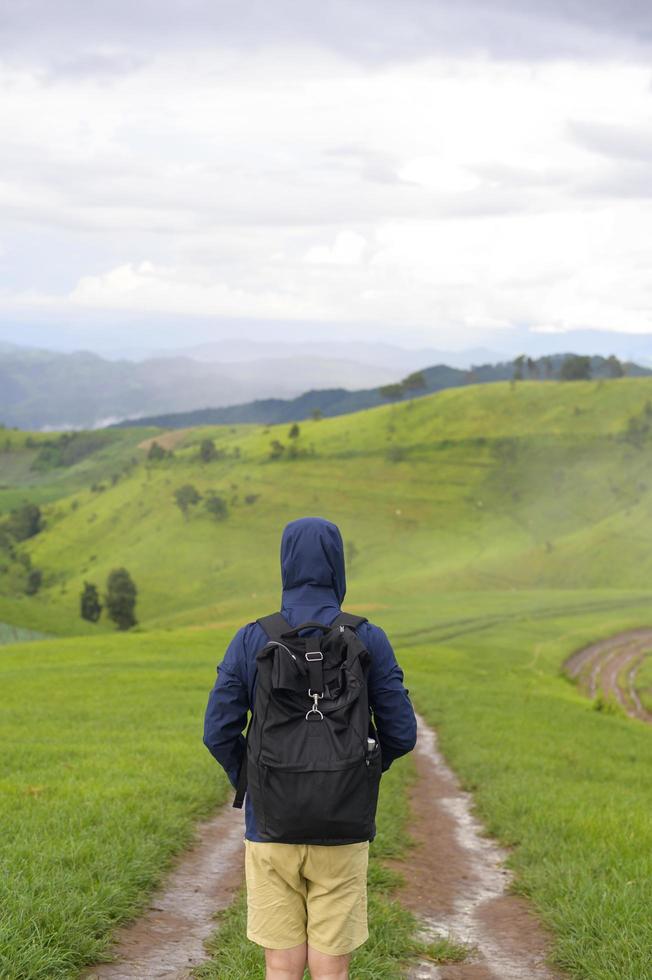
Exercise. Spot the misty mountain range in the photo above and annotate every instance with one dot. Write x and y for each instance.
(50, 389)
(42, 389)
(338, 401)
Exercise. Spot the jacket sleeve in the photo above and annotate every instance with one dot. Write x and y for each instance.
(389, 700)
(226, 712)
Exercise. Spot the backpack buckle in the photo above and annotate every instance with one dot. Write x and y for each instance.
(313, 655)
(314, 710)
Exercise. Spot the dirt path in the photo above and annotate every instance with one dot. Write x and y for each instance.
(456, 883)
(167, 941)
(609, 666)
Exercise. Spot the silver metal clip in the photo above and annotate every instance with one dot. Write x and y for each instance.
(314, 710)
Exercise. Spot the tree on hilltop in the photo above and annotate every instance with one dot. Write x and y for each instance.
(414, 382)
(576, 367)
(519, 363)
(615, 368)
(548, 366)
(392, 392)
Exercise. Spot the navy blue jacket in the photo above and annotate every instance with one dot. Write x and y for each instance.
(314, 585)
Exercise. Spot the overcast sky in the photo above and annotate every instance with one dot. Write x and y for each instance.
(414, 170)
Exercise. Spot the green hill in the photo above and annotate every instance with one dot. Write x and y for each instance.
(495, 486)
(489, 529)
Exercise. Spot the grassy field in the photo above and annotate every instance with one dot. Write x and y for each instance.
(564, 786)
(489, 530)
(101, 778)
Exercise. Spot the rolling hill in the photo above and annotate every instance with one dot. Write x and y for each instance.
(490, 529)
(492, 486)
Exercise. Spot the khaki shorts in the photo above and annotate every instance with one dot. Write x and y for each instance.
(307, 892)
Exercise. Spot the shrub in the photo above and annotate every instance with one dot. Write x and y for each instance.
(120, 598)
(156, 452)
(277, 449)
(208, 451)
(216, 506)
(395, 454)
(69, 448)
(34, 581)
(576, 367)
(24, 522)
(89, 601)
(186, 497)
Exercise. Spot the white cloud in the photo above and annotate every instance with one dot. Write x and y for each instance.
(294, 185)
(347, 249)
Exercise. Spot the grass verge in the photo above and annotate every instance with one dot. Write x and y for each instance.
(562, 785)
(102, 777)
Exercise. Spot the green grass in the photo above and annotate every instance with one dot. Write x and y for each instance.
(516, 527)
(564, 786)
(15, 634)
(102, 776)
(644, 682)
(501, 488)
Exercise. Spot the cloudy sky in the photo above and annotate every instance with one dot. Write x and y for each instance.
(416, 171)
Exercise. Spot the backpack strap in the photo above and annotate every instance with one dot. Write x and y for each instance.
(348, 619)
(274, 625)
(241, 785)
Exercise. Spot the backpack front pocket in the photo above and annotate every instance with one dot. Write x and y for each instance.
(333, 804)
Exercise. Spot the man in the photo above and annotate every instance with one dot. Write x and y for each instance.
(306, 903)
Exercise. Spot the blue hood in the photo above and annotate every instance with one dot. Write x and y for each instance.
(312, 570)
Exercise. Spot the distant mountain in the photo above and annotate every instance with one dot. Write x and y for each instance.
(44, 389)
(389, 356)
(339, 401)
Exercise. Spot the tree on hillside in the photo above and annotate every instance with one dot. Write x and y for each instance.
(615, 368)
(216, 506)
(24, 522)
(208, 451)
(34, 581)
(294, 431)
(392, 392)
(120, 598)
(277, 449)
(317, 414)
(415, 382)
(89, 602)
(186, 497)
(576, 367)
(156, 452)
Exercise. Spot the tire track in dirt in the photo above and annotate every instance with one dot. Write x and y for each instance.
(602, 666)
(168, 940)
(456, 883)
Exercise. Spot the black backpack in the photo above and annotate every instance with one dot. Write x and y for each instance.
(312, 762)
